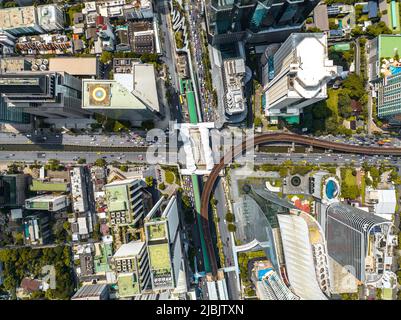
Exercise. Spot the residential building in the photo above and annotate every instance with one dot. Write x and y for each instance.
(12, 190)
(132, 95)
(105, 34)
(164, 246)
(47, 94)
(388, 96)
(298, 75)
(82, 67)
(92, 292)
(269, 285)
(81, 225)
(234, 98)
(79, 190)
(360, 241)
(124, 202)
(44, 44)
(122, 39)
(143, 42)
(255, 21)
(51, 17)
(20, 21)
(37, 229)
(131, 263)
(47, 202)
(112, 8)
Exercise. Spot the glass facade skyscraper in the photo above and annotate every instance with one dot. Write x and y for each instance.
(255, 20)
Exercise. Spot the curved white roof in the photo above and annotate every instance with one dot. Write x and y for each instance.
(298, 257)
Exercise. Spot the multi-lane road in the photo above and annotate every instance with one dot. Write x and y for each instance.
(266, 138)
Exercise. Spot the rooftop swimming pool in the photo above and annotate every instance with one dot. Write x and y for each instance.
(331, 189)
(395, 70)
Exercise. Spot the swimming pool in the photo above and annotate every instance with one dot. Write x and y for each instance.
(395, 70)
(331, 189)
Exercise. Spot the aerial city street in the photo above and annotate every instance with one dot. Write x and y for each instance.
(200, 150)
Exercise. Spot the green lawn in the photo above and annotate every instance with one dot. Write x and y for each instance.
(170, 177)
(159, 256)
(349, 187)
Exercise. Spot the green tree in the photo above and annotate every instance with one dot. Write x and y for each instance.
(344, 105)
(100, 162)
(106, 57)
(149, 181)
(162, 186)
(230, 217)
(81, 161)
(231, 227)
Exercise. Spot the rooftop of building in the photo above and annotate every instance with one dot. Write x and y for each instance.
(136, 90)
(130, 249)
(38, 185)
(87, 291)
(126, 285)
(76, 66)
(159, 256)
(11, 18)
(46, 197)
(389, 45)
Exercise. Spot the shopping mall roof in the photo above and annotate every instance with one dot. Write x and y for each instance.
(299, 258)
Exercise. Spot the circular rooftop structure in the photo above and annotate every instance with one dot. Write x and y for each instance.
(295, 181)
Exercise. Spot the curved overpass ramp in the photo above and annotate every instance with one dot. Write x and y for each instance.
(266, 138)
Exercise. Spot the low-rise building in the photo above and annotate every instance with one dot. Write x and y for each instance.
(85, 67)
(44, 44)
(79, 190)
(47, 202)
(141, 9)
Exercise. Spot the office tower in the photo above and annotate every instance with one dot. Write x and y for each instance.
(164, 245)
(298, 75)
(124, 202)
(254, 21)
(358, 240)
(131, 263)
(12, 116)
(46, 94)
(12, 190)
